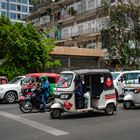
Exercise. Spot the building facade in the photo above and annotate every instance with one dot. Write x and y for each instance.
(78, 25)
(16, 10)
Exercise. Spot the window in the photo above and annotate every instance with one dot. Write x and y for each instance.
(28, 80)
(24, 9)
(89, 26)
(65, 80)
(79, 7)
(51, 80)
(3, 5)
(30, 1)
(13, 15)
(123, 77)
(19, 1)
(3, 13)
(112, 1)
(80, 28)
(15, 80)
(30, 9)
(13, 7)
(23, 16)
(90, 4)
(24, 1)
(18, 16)
(18, 7)
(12, 0)
(65, 32)
(132, 78)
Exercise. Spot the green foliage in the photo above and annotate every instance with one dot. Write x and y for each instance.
(124, 28)
(24, 49)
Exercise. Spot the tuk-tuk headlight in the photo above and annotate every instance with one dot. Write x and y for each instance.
(64, 96)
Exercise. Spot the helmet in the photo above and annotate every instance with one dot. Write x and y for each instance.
(44, 78)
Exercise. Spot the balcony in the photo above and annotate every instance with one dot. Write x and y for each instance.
(74, 51)
(64, 2)
(89, 32)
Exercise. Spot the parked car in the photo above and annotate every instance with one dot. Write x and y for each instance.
(3, 80)
(10, 92)
(122, 78)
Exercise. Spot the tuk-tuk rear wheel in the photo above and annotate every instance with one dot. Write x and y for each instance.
(109, 110)
(55, 113)
(127, 105)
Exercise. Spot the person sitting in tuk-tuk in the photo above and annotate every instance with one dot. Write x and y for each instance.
(79, 92)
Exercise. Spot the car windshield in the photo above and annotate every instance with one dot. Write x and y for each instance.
(27, 80)
(65, 80)
(115, 75)
(15, 80)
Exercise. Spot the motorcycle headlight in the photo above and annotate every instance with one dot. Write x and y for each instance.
(1, 89)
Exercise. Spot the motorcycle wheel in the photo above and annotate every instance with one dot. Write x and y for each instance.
(26, 106)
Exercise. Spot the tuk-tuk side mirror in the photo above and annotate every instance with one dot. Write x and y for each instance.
(121, 79)
(21, 82)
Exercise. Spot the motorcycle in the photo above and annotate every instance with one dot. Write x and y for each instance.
(33, 101)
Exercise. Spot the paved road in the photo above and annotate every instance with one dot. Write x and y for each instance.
(124, 124)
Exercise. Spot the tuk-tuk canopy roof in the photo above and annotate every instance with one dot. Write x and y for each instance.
(40, 74)
(89, 71)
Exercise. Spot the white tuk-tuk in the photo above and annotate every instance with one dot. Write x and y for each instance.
(131, 96)
(97, 90)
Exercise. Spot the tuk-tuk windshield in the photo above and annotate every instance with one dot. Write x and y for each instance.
(27, 81)
(65, 80)
(115, 74)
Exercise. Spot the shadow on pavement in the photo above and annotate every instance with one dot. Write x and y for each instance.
(83, 115)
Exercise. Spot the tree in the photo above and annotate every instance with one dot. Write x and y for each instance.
(24, 49)
(124, 34)
(4, 22)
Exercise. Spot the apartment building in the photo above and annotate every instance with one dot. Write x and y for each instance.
(16, 10)
(78, 25)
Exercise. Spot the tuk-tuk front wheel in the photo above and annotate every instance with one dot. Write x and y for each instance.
(55, 113)
(127, 105)
(109, 110)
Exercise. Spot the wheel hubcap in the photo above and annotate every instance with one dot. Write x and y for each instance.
(11, 98)
(127, 104)
(110, 109)
(56, 113)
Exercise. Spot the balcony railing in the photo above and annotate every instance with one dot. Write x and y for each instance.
(79, 33)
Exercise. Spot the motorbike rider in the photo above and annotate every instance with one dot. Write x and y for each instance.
(44, 91)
